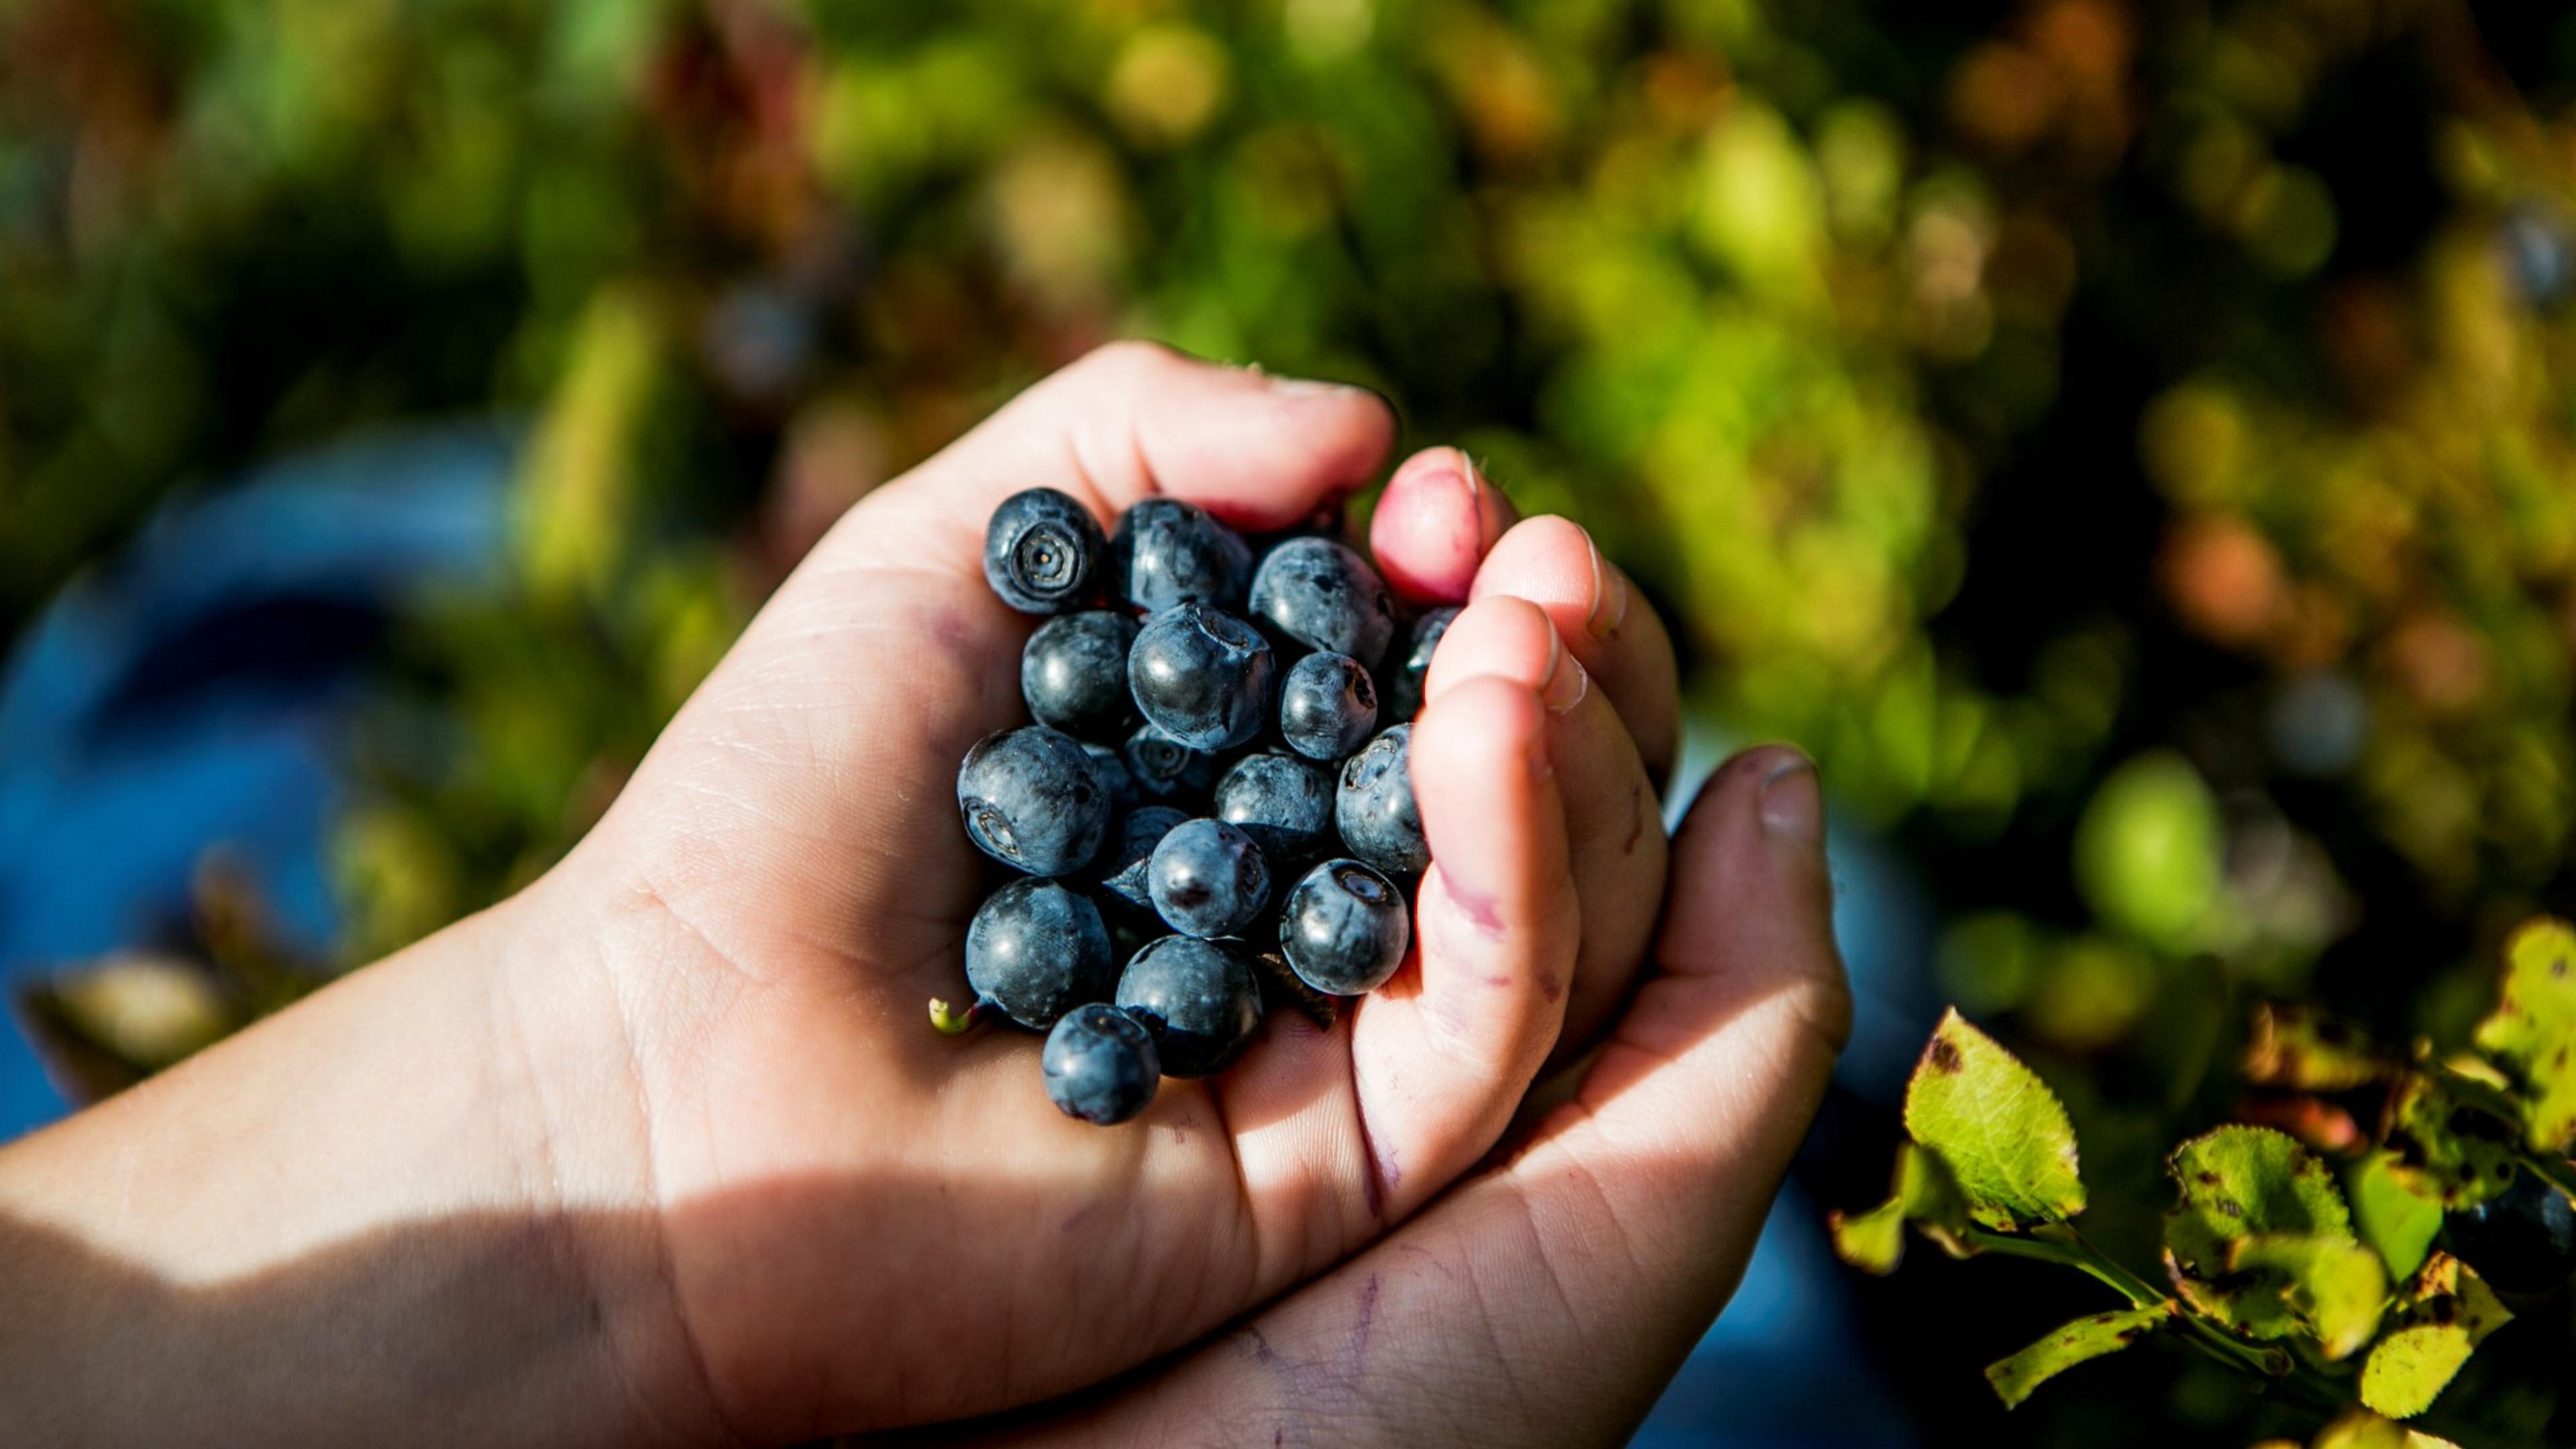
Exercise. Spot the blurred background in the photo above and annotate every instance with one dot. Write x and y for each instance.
(2129, 445)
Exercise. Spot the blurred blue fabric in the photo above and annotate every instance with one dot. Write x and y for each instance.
(194, 692)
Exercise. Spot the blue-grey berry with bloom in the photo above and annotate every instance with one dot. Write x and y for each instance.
(1044, 553)
(1321, 593)
(1200, 1000)
(1100, 1065)
(1207, 878)
(1327, 706)
(1202, 676)
(1073, 675)
(1168, 552)
(1375, 808)
(1344, 928)
(1284, 803)
(1037, 949)
(1031, 799)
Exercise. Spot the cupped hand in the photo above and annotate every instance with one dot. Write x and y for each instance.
(864, 1224)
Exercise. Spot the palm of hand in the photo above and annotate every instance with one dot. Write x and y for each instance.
(844, 1197)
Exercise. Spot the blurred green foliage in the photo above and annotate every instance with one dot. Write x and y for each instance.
(2129, 445)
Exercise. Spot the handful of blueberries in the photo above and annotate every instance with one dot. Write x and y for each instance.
(1206, 793)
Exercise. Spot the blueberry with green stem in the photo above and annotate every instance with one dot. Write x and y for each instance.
(1031, 799)
(1327, 706)
(1321, 593)
(1100, 1065)
(1380, 822)
(1036, 949)
(1200, 1000)
(1344, 928)
(1044, 552)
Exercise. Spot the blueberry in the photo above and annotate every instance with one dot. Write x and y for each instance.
(1167, 552)
(1073, 673)
(1114, 776)
(1037, 949)
(1200, 999)
(1202, 676)
(1283, 803)
(1122, 867)
(1031, 799)
(1044, 553)
(1327, 706)
(1322, 594)
(1100, 1065)
(1165, 769)
(1405, 677)
(1375, 808)
(1344, 928)
(2522, 1240)
(1207, 878)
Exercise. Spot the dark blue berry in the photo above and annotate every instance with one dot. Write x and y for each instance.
(2522, 1240)
(1100, 1065)
(1282, 802)
(1165, 769)
(1044, 553)
(1321, 593)
(1327, 706)
(1200, 999)
(1344, 928)
(1114, 777)
(1037, 949)
(1405, 679)
(1167, 552)
(1202, 676)
(1207, 879)
(1073, 673)
(1375, 808)
(1032, 800)
(1123, 865)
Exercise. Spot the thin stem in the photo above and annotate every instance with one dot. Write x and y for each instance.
(948, 1021)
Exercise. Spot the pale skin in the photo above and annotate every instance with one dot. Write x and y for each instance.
(663, 1150)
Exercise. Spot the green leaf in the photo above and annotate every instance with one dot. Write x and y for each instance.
(2333, 1287)
(1998, 1129)
(2451, 1138)
(2239, 1183)
(2303, 1048)
(2533, 1028)
(2362, 1429)
(2070, 1344)
(1875, 1240)
(2394, 1219)
(2446, 1313)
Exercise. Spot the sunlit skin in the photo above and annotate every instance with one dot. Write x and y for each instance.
(663, 1150)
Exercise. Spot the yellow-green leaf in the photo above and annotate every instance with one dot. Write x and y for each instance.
(2303, 1048)
(2533, 1028)
(1874, 1241)
(2394, 1219)
(2333, 1286)
(1998, 1129)
(2070, 1344)
(2362, 1429)
(2445, 1314)
(2450, 1138)
(2239, 1183)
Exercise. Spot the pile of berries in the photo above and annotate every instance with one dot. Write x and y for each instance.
(1206, 794)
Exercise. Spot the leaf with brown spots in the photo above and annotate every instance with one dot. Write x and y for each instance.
(2070, 1344)
(2443, 1317)
(2451, 1139)
(1998, 1129)
(2242, 1184)
(2532, 1032)
(2302, 1048)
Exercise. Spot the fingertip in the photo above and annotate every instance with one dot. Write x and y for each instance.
(1434, 525)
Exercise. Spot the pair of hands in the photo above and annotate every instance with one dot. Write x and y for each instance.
(662, 1149)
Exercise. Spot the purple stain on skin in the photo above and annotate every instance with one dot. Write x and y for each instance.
(1368, 1318)
(1549, 986)
(1479, 911)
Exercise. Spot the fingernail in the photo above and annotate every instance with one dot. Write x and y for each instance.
(1303, 388)
(1567, 680)
(1609, 593)
(1793, 805)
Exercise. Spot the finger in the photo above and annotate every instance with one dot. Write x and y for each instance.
(1136, 418)
(1614, 834)
(1440, 1055)
(1434, 525)
(1554, 563)
(1614, 1238)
